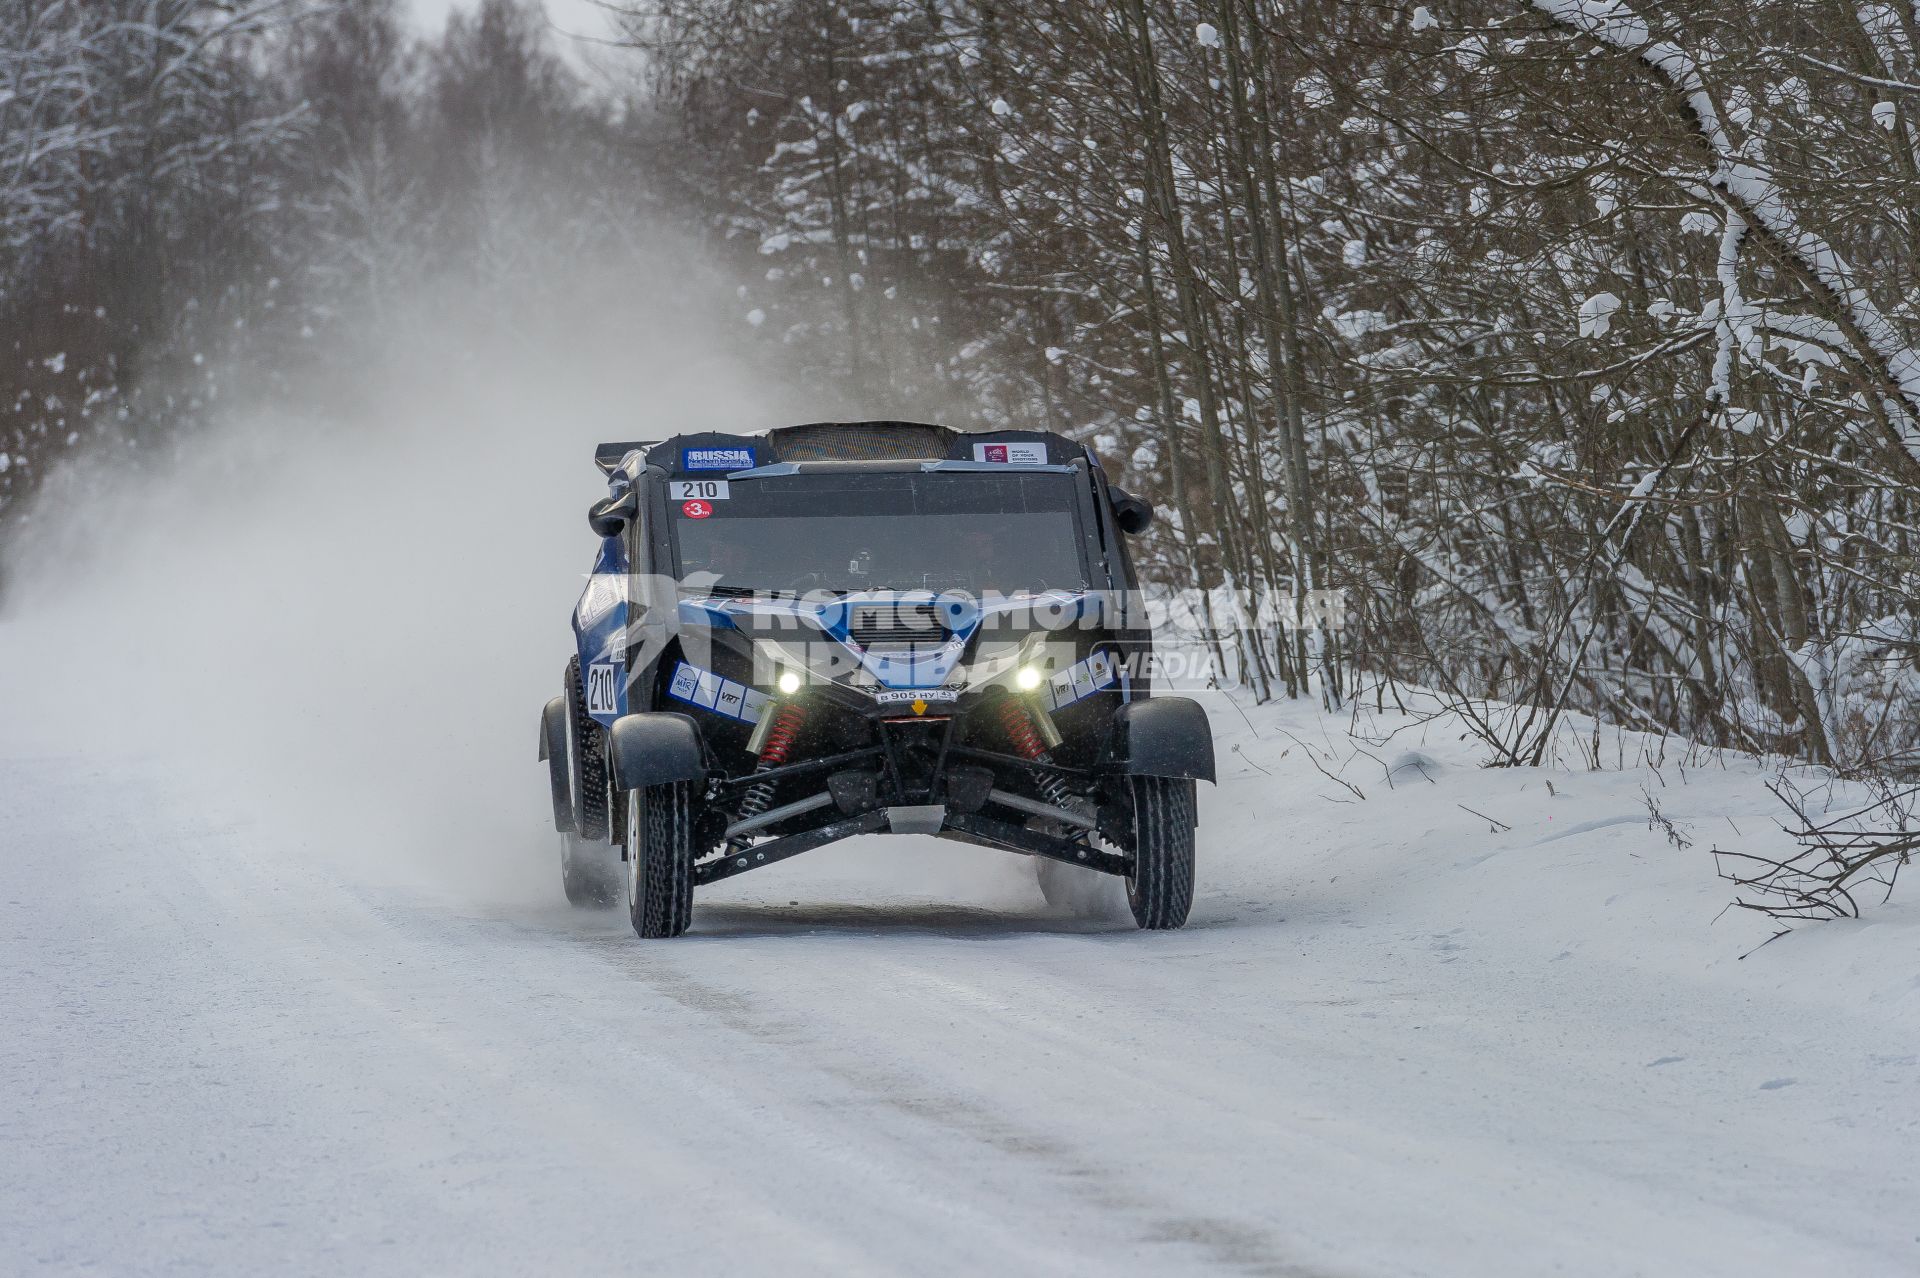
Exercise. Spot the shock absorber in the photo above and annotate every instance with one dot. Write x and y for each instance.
(1016, 720)
(788, 719)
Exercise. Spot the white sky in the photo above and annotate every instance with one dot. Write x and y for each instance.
(581, 16)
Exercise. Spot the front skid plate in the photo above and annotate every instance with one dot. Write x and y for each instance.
(962, 827)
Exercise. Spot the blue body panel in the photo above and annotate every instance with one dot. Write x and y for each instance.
(602, 638)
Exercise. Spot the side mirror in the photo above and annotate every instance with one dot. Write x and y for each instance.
(610, 516)
(1133, 514)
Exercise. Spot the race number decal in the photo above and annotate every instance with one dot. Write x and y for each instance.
(603, 685)
(698, 490)
(696, 509)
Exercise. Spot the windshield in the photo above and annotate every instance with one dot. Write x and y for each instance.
(970, 532)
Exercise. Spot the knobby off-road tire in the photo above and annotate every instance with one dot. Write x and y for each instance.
(660, 855)
(1160, 889)
(590, 872)
(587, 754)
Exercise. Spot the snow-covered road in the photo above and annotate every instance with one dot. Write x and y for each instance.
(1391, 1042)
(286, 984)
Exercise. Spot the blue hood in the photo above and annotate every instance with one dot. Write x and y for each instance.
(961, 617)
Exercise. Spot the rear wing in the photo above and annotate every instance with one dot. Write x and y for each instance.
(609, 456)
(714, 453)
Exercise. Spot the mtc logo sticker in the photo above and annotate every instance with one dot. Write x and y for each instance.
(1012, 454)
(696, 509)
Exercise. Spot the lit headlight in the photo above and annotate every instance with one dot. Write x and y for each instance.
(1029, 677)
(788, 682)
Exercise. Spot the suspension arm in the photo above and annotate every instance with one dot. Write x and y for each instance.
(1014, 838)
(752, 858)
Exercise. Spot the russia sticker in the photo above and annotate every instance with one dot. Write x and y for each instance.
(716, 459)
(696, 509)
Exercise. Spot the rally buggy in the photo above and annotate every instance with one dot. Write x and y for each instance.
(855, 628)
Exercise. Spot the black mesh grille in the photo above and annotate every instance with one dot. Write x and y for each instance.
(891, 625)
(860, 441)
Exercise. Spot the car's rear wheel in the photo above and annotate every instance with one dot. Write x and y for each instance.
(589, 871)
(660, 855)
(1160, 889)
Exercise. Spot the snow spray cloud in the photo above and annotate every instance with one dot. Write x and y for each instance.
(334, 615)
(346, 612)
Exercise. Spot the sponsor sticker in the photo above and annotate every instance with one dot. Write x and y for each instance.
(709, 691)
(603, 689)
(1012, 454)
(685, 680)
(716, 459)
(696, 509)
(1083, 679)
(697, 489)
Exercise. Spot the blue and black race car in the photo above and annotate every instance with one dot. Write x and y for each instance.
(856, 628)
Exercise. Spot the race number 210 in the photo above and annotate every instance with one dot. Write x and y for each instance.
(603, 682)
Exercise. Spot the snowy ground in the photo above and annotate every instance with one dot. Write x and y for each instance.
(1394, 1040)
(286, 984)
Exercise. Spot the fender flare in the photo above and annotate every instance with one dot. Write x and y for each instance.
(553, 750)
(1161, 737)
(654, 747)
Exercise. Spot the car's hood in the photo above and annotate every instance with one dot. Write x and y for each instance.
(932, 662)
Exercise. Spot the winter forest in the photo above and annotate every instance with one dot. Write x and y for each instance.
(1574, 342)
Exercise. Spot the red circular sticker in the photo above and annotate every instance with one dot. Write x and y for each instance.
(696, 509)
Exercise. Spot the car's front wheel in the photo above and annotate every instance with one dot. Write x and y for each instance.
(1160, 889)
(660, 855)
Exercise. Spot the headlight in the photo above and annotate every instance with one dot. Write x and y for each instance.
(788, 682)
(605, 592)
(1029, 678)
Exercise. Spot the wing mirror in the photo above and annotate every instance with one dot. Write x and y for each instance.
(610, 516)
(1133, 514)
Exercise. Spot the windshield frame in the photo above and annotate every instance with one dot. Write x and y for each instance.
(1096, 573)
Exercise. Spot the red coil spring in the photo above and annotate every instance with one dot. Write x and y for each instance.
(786, 726)
(1020, 730)
(1017, 720)
(787, 722)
